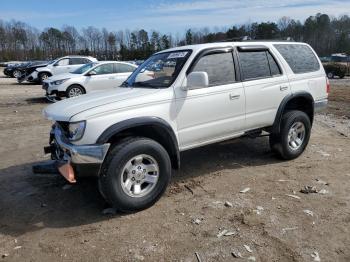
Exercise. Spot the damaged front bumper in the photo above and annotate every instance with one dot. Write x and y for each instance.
(75, 158)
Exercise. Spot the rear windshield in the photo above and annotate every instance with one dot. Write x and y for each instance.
(300, 58)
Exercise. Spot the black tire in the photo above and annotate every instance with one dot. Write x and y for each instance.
(110, 181)
(279, 143)
(43, 76)
(78, 90)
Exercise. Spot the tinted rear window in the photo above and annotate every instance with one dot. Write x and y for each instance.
(258, 64)
(300, 58)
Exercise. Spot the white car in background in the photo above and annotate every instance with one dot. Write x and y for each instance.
(94, 76)
(61, 65)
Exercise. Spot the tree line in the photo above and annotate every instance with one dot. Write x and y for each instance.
(20, 41)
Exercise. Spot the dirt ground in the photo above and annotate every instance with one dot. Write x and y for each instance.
(41, 219)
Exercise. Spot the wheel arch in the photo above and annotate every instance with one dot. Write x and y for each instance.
(302, 101)
(151, 127)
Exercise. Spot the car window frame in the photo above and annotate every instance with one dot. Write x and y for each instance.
(251, 49)
(216, 50)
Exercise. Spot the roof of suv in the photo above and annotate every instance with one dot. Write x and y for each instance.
(225, 44)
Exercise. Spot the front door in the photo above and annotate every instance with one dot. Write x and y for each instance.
(212, 113)
(103, 77)
(62, 66)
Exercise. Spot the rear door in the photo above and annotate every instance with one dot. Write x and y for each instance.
(123, 71)
(76, 62)
(265, 83)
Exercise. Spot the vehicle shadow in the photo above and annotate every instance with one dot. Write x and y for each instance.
(31, 202)
(38, 100)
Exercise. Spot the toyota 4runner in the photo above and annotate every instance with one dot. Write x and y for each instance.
(182, 98)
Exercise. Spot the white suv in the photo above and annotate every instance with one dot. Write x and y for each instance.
(91, 77)
(182, 98)
(60, 66)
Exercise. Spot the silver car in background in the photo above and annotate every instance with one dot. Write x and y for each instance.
(91, 77)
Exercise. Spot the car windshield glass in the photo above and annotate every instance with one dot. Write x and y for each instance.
(84, 68)
(159, 71)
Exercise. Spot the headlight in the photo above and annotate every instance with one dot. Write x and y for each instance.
(76, 130)
(59, 82)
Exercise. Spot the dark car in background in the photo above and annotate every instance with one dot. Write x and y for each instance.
(16, 70)
(336, 65)
(30, 68)
(11, 70)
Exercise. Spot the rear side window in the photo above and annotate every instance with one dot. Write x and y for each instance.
(300, 58)
(258, 64)
(219, 67)
(77, 61)
(123, 68)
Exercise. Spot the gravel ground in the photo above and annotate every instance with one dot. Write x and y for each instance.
(43, 219)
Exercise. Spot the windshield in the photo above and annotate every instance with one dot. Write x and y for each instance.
(159, 71)
(84, 68)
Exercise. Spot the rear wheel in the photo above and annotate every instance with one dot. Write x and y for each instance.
(135, 174)
(17, 73)
(75, 90)
(294, 135)
(330, 75)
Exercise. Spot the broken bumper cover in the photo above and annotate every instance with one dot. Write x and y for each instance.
(76, 156)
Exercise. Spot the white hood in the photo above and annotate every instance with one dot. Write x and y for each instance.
(66, 109)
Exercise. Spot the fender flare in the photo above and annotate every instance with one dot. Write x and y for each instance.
(155, 122)
(277, 123)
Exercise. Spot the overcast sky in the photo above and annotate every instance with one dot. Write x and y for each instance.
(163, 15)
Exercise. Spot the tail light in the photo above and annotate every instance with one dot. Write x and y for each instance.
(328, 86)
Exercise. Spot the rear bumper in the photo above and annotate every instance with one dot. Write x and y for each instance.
(319, 105)
(79, 156)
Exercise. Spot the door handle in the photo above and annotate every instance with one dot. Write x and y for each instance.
(283, 88)
(234, 97)
(112, 78)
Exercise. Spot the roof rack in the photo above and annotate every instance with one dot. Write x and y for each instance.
(248, 39)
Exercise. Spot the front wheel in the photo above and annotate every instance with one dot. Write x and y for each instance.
(135, 174)
(294, 135)
(74, 90)
(43, 76)
(17, 74)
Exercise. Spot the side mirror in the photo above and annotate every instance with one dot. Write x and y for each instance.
(196, 80)
(91, 73)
